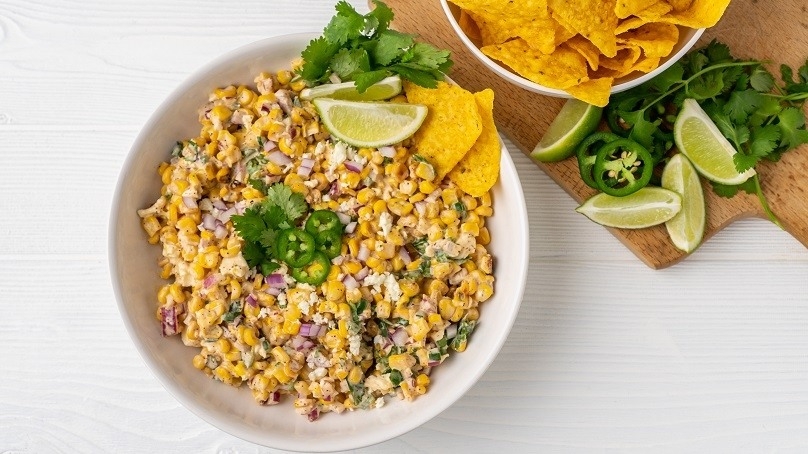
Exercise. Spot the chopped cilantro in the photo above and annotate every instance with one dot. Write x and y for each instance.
(363, 49)
(233, 312)
(395, 377)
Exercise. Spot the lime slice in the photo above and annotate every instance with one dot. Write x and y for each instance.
(370, 124)
(710, 152)
(384, 89)
(574, 122)
(647, 207)
(686, 229)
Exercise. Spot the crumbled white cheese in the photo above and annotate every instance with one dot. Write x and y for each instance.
(282, 299)
(319, 149)
(392, 290)
(318, 318)
(339, 153)
(379, 402)
(386, 223)
(235, 266)
(354, 341)
(318, 373)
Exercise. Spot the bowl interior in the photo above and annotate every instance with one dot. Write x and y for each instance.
(134, 272)
(687, 38)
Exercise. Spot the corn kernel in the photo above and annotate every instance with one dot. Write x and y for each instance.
(484, 211)
(355, 375)
(400, 361)
(425, 171)
(199, 362)
(383, 308)
(418, 329)
(335, 289)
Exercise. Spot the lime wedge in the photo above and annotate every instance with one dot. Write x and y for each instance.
(647, 207)
(710, 152)
(574, 122)
(686, 229)
(370, 124)
(384, 89)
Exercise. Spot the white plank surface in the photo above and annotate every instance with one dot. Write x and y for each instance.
(606, 355)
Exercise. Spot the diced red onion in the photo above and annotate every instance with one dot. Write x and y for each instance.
(337, 260)
(211, 279)
(405, 256)
(343, 218)
(350, 282)
(353, 166)
(363, 273)
(351, 227)
(432, 363)
(399, 337)
(307, 345)
(451, 331)
(388, 152)
(270, 145)
(277, 157)
(305, 330)
(274, 291)
(219, 204)
(208, 222)
(274, 398)
(307, 162)
(314, 415)
(168, 321)
(190, 202)
(251, 301)
(304, 171)
(225, 216)
(364, 253)
(334, 190)
(240, 207)
(276, 280)
(297, 341)
(220, 231)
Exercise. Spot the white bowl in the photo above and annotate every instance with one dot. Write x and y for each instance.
(134, 271)
(687, 38)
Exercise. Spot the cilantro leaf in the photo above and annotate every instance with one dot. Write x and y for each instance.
(249, 225)
(365, 80)
(347, 24)
(792, 127)
(761, 80)
(382, 14)
(742, 103)
(292, 203)
(253, 253)
(668, 78)
(317, 56)
(417, 76)
(347, 63)
(391, 46)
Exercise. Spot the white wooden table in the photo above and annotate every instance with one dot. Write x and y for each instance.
(605, 356)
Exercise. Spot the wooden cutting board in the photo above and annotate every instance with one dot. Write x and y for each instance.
(775, 31)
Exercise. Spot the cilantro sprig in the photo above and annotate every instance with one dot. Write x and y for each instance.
(363, 49)
(260, 224)
(760, 118)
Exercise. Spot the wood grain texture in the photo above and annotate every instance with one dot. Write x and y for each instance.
(605, 356)
(747, 27)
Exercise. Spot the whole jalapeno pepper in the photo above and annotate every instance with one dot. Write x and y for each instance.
(622, 167)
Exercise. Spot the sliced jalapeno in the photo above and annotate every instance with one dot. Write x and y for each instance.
(315, 272)
(322, 221)
(295, 247)
(586, 154)
(622, 167)
(329, 242)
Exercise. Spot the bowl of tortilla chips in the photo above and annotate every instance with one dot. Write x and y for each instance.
(580, 48)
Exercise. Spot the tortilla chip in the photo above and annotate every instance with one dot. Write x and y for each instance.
(451, 127)
(505, 8)
(627, 56)
(594, 21)
(625, 8)
(656, 39)
(562, 69)
(651, 14)
(593, 91)
(646, 64)
(469, 26)
(477, 172)
(700, 14)
(588, 50)
(680, 5)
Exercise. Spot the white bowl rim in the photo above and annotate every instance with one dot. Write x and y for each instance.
(538, 88)
(178, 393)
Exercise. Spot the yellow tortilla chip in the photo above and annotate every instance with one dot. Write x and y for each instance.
(562, 69)
(505, 8)
(477, 172)
(700, 14)
(595, 21)
(469, 26)
(625, 8)
(627, 56)
(646, 64)
(451, 127)
(651, 14)
(593, 91)
(656, 39)
(680, 5)
(588, 50)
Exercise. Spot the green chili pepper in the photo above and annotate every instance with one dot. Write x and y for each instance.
(622, 167)
(329, 242)
(322, 221)
(315, 272)
(295, 247)
(586, 154)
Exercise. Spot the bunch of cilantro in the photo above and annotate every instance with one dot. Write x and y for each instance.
(260, 224)
(761, 118)
(363, 49)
